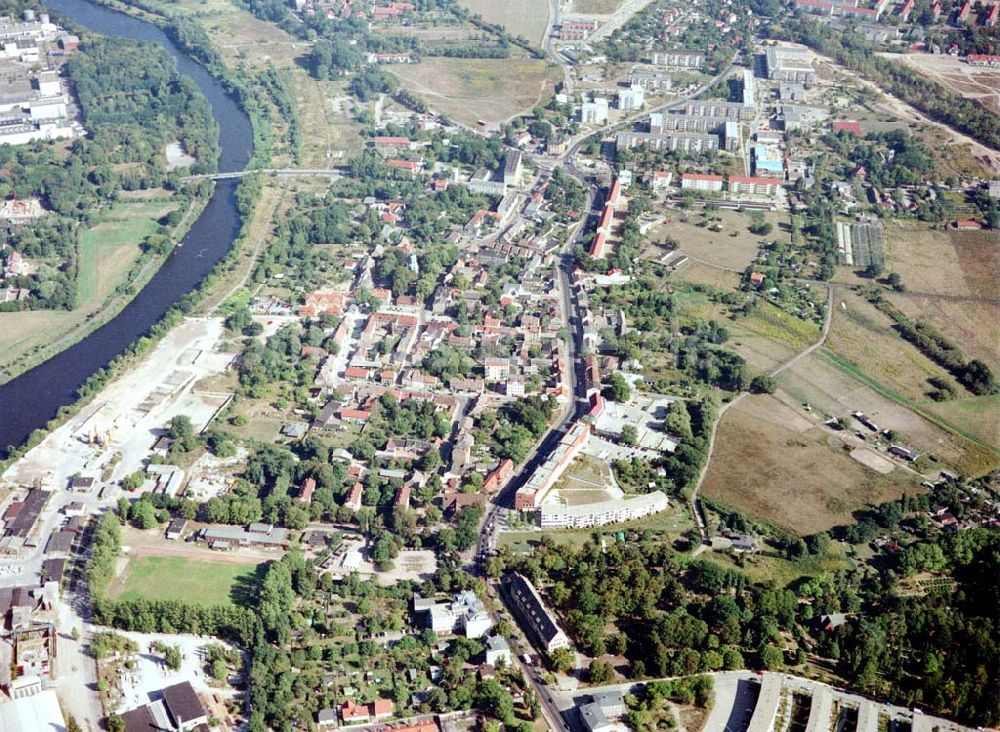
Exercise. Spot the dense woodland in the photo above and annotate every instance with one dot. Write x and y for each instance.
(671, 615)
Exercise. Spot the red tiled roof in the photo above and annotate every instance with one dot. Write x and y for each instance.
(847, 125)
(751, 180)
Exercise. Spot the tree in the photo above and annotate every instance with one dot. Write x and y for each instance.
(600, 672)
(630, 435)
(219, 670)
(772, 657)
(618, 389)
(563, 659)
(143, 515)
(895, 281)
(133, 481)
(181, 427)
(496, 700)
(182, 431)
(678, 420)
(763, 385)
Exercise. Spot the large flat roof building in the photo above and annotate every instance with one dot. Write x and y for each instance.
(768, 701)
(559, 516)
(531, 611)
(786, 63)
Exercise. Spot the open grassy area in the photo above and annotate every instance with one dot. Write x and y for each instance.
(671, 523)
(864, 335)
(467, 90)
(772, 463)
(834, 386)
(780, 571)
(734, 247)
(980, 416)
(107, 252)
(775, 324)
(527, 18)
(597, 7)
(197, 582)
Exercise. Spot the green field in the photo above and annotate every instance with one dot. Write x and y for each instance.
(107, 252)
(193, 581)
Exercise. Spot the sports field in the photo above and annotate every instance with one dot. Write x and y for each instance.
(194, 581)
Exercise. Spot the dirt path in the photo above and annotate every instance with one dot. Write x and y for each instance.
(986, 156)
(204, 555)
(693, 501)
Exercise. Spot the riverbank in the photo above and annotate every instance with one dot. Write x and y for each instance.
(43, 396)
(55, 331)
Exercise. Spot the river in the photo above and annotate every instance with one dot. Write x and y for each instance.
(32, 399)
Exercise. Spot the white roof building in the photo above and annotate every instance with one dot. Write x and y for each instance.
(37, 713)
(558, 516)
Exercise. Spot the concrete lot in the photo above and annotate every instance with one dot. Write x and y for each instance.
(132, 411)
(143, 684)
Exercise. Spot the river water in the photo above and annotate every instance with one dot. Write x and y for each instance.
(32, 399)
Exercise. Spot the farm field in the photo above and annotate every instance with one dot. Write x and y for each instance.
(468, 90)
(944, 262)
(107, 252)
(865, 336)
(979, 415)
(971, 325)
(834, 386)
(771, 463)
(964, 264)
(176, 578)
(527, 18)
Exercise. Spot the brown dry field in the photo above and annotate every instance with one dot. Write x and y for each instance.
(972, 325)
(863, 335)
(720, 248)
(766, 465)
(436, 33)
(528, 18)
(596, 7)
(468, 90)
(971, 82)
(696, 272)
(952, 263)
(978, 415)
(831, 392)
